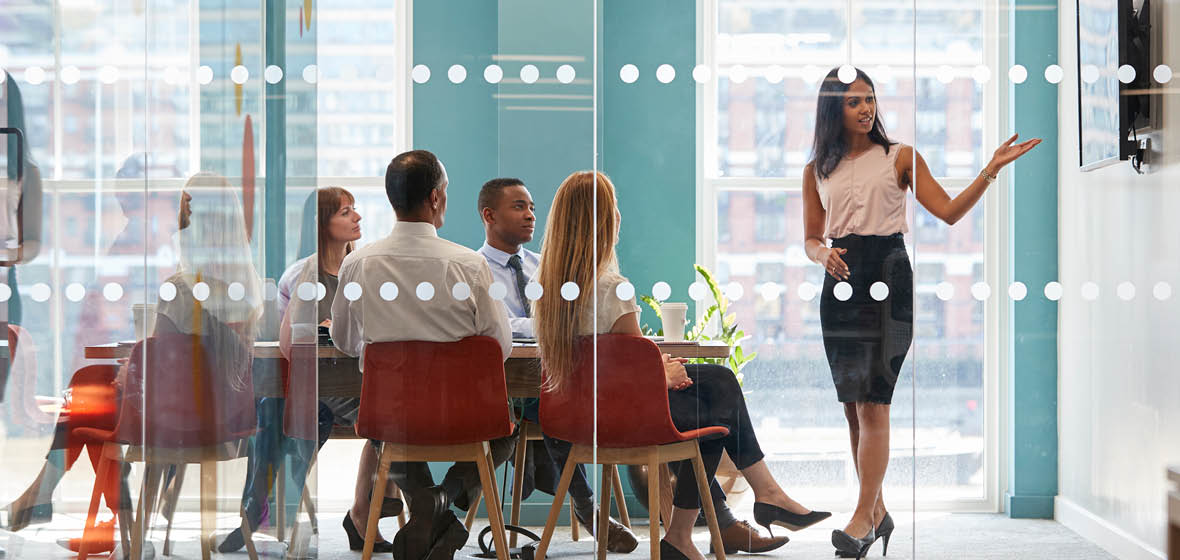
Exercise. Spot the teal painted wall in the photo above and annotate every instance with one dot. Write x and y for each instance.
(1032, 428)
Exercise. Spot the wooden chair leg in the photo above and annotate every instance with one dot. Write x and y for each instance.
(104, 466)
(171, 500)
(124, 507)
(574, 530)
(653, 504)
(604, 510)
(209, 508)
(622, 501)
(143, 518)
(522, 445)
(707, 502)
(567, 474)
(309, 507)
(376, 498)
(281, 500)
(487, 476)
(665, 486)
(469, 520)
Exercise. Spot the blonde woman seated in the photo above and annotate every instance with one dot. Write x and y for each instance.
(698, 394)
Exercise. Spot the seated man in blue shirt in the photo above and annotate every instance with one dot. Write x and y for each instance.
(507, 211)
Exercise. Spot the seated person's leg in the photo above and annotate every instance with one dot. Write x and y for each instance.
(462, 479)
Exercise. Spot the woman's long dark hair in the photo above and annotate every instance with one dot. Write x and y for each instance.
(829, 145)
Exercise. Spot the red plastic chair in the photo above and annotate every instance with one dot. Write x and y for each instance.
(184, 401)
(634, 427)
(435, 401)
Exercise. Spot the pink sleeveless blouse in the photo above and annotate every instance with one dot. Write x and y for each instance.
(862, 195)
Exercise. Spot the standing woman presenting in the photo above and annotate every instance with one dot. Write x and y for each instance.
(854, 193)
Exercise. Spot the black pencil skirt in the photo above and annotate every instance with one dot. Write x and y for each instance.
(867, 340)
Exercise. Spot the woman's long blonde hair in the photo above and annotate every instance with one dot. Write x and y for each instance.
(568, 256)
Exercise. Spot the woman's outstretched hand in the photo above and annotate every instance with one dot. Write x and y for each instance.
(1008, 152)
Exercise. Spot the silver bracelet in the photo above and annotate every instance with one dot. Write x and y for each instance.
(987, 177)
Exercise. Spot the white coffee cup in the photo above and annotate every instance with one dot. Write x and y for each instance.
(675, 318)
(144, 315)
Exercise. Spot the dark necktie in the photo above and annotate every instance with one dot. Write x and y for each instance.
(514, 264)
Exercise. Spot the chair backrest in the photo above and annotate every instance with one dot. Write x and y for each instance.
(301, 387)
(632, 396)
(434, 393)
(184, 391)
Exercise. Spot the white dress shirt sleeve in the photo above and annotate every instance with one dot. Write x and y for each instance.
(347, 316)
(522, 327)
(490, 317)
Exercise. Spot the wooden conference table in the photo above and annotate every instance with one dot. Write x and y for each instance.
(338, 375)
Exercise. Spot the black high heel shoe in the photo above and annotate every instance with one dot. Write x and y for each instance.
(670, 552)
(848, 544)
(767, 515)
(356, 541)
(884, 532)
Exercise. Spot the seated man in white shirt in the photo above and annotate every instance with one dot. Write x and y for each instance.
(412, 255)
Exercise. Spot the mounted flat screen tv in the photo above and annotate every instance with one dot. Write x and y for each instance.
(1114, 74)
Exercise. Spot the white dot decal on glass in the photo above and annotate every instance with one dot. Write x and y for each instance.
(1089, 291)
(204, 75)
(70, 75)
(493, 74)
(696, 291)
(461, 291)
(1126, 73)
(529, 74)
(701, 73)
(270, 292)
(945, 291)
(1018, 74)
(321, 291)
(457, 74)
(734, 291)
(5, 291)
(812, 73)
(498, 291)
(424, 291)
(1162, 74)
(1090, 73)
(625, 291)
(945, 74)
(879, 291)
(311, 73)
(109, 74)
(533, 291)
(273, 74)
(981, 74)
(981, 291)
(40, 292)
(665, 73)
(239, 74)
(167, 291)
(236, 291)
(842, 291)
(388, 291)
(305, 291)
(1017, 291)
(114, 292)
(774, 74)
(75, 292)
(738, 74)
(1054, 291)
(1054, 74)
(807, 291)
(770, 291)
(420, 74)
(1162, 291)
(570, 291)
(846, 73)
(661, 291)
(629, 73)
(201, 291)
(172, 76)
(353, 291)
(566, 73)
(1126, 291)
